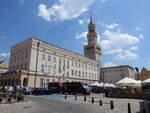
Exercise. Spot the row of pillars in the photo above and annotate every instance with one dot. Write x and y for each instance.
(101, 103)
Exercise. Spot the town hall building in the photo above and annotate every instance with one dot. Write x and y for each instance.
(34, 63)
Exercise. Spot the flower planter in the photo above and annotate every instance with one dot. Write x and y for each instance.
(8, 98)
(20, 97)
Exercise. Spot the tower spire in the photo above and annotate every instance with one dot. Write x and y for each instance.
(91, 19)
(92, 50)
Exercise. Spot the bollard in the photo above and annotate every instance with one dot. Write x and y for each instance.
(75, 97)
(100, 102)
(143, 108)
(65, 96)
(129, 108)
(84, 97)
(111, 105)
(92, 99)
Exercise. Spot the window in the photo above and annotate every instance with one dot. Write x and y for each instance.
(18, 57)
(21, 66)
(60, 63)
(76, 64)
(72, 63)
(67, 74)
(54, 70)
(14, 58)
(75, 73)
(17, 66)
(43, 56)
(79, 64)
(59, 69)
(89, 75)
(26, 55)
(47, 80)
(72, 72)
(54, 59)
(79, 73)
(25, 66)
(49, 58)
(42, 68)
(68, 64)
(11, 59)
(64, 65)
(22, 56)
(83, 74)
(82, 66)
(49, 69)
(60, 60)
(41, 82)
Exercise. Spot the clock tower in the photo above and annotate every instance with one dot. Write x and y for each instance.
(92, 50)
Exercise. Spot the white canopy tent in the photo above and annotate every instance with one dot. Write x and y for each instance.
(95, 84)
(129, 82)
(110, 85)
(147, 80)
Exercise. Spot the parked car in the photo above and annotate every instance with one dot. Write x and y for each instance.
(96, 89)
(29, 91)
(69, 87)
(56, 87)
(41, 91)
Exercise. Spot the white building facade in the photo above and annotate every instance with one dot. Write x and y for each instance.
(50, 63)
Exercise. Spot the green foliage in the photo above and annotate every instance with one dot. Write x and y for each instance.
(8, 98)
(16, 95)
(20, 96)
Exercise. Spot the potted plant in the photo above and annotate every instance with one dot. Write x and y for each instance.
(20, 97)
(8, 98)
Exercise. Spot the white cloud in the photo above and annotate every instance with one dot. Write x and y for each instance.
(133, 48)
(139, 28)
(119, 43)
(81, 35)
(112, 26)
(116, 41)
(141, 36)
(4, 54)
(81, 21)
(109, 64)
(64, 9)
(113, 51)
(126, 55)
(84, 42)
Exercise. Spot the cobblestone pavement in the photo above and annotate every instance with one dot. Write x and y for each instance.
(70, 105)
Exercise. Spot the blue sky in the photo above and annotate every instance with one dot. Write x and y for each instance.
(122, 25)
